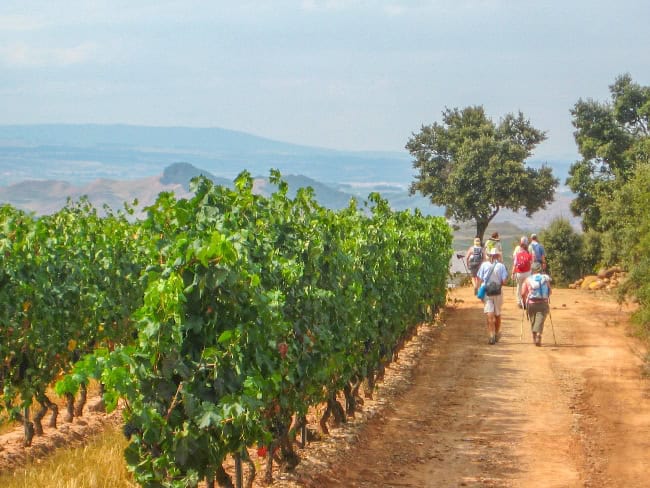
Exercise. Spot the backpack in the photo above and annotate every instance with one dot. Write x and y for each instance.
(476, 258)
(492, 287)
(523, 261)
(493, 244)
(538, 287)
(538, 251)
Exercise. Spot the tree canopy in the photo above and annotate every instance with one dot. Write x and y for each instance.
(612, 138)
(474, 167)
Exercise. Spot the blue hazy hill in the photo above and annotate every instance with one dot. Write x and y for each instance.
(81, 153)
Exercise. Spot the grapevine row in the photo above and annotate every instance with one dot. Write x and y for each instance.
(248, 311)
(69, 282)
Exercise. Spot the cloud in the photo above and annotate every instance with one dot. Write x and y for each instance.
(394, 10)
(19, 23)
(23, 55)
(324, 5)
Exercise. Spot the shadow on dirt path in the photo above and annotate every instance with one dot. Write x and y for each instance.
(574, 414)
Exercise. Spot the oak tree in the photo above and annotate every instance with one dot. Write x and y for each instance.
(475, 167)
(612, 138)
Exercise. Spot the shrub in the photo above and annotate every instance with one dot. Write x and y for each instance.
(564, 251)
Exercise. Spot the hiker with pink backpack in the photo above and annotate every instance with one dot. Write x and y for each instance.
(521, 263)
(536, 294)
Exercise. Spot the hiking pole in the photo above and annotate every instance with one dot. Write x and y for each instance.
(462, 258)
(521, 337)
(552, 327)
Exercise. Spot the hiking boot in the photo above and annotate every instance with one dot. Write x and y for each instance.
(535, 338)
(497, 337)
(492, 340)
(538, 340)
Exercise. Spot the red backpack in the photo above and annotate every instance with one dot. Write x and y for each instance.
(523, 261)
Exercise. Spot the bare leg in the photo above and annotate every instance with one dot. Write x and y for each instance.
(497, 328)
(491, 325)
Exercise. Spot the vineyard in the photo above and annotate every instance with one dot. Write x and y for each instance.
(216, 321)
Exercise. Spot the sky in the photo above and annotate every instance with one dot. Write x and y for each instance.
(349, 75)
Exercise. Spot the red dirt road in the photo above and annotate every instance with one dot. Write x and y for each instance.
(575, 414)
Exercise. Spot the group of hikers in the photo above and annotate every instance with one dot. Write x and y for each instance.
(489, 274)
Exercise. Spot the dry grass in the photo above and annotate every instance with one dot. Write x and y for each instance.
(100, 464)
(7, 425)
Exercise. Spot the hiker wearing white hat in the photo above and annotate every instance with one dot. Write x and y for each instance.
(493, 274)
(494, 242)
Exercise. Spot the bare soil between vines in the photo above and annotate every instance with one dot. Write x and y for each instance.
(455, 411)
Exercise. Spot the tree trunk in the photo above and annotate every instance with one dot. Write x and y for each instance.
(99, 406)
(222, 478)
(350, 401)
(301, 426)
(252, 472)
(268, 473)
(239, 475)
(55, 414)
(369, 384)
(69, 411)
(83, 394)
(481, 227)
(38, 416)
(29, 429)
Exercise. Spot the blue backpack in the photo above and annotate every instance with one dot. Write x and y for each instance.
(539, 287)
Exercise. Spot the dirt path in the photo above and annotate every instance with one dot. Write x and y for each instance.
(512, 415)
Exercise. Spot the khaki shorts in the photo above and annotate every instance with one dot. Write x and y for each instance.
(493, 304)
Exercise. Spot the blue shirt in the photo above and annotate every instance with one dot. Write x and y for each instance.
(537, 251)
(500, 271)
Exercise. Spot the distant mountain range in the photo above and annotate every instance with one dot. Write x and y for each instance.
(42, 165)
(82, 153)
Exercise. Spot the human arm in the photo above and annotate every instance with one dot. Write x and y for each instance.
(480, 274)
(525, 290)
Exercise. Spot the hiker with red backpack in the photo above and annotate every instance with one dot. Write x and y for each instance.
(521, 263)
(474, 257)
